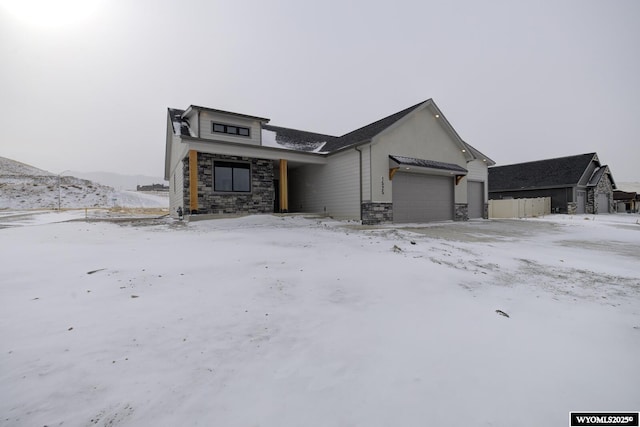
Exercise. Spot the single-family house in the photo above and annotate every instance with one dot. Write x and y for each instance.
(627, 201)
(411, 166)
(576, 184)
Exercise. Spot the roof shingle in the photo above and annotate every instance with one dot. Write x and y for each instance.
(365, 133)
(558, 172)
(298, 139)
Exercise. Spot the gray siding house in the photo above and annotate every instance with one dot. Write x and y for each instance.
(576, 184)
(411, 166)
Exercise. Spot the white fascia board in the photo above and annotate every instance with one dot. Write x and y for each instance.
(431, 106)
(187, 112)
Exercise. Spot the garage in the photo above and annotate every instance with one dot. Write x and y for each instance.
(580, 207)
(475, 199)
(603, 203)
(422, 198)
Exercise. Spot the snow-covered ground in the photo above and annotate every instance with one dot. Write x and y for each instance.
(292, 321)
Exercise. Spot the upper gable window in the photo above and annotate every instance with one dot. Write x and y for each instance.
(230, 129)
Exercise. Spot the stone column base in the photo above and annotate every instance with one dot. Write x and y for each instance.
(376, 213)
(461, 212)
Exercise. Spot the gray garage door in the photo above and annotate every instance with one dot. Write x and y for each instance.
(475, 199)
(581, 202)
(422, 198)
(603, 203)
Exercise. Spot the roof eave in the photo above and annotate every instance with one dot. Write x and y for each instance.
(230, 113)
(350, 146)
(437, 113)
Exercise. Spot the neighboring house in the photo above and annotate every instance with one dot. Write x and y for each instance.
(627, 201)
(576, 184)
(152, 187)
(411, 166)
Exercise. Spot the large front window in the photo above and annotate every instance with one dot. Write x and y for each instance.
(231, 177)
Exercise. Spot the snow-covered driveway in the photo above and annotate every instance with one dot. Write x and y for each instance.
(288, 321)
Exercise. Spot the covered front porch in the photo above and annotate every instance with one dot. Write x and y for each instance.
(224, 180)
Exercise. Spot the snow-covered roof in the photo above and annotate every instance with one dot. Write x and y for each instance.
(294, 139)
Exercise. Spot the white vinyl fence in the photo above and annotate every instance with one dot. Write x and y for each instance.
(520, 208)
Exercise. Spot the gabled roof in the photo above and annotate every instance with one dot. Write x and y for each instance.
(229, 113)
(558, 172)
(598, 174)
(479, 155)
(310, 141)
(366, 133)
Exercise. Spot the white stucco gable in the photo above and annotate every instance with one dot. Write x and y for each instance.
(424, 134)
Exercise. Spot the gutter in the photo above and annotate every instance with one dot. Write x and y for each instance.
(360, 176)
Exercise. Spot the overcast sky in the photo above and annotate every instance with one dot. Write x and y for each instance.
(88, 90)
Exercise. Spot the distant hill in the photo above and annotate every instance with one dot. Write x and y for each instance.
(25, 187)
(10, 167)
(119, 181)
(628, 186)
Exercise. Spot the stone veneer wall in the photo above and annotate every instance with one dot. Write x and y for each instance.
(259, 200)
(572, 208)
(485, 215)
(376, 213)
(461, 212)
(604, 186)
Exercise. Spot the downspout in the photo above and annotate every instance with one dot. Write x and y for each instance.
(198, 119)
(360, 177)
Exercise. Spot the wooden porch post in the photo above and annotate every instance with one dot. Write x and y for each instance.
(284, 187)
(193, 181)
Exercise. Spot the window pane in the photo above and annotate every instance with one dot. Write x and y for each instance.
(223, 179)
(243, 131)
(241, 179)
(218, 128)
(232, 130)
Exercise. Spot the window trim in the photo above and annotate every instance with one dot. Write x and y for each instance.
(231, 164)
(226, 127)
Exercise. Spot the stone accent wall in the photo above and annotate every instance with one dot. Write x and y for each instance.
(376, 213)
(572, 208)
(485, 214)
(590, 203)
(259, 200)
(461, 212)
